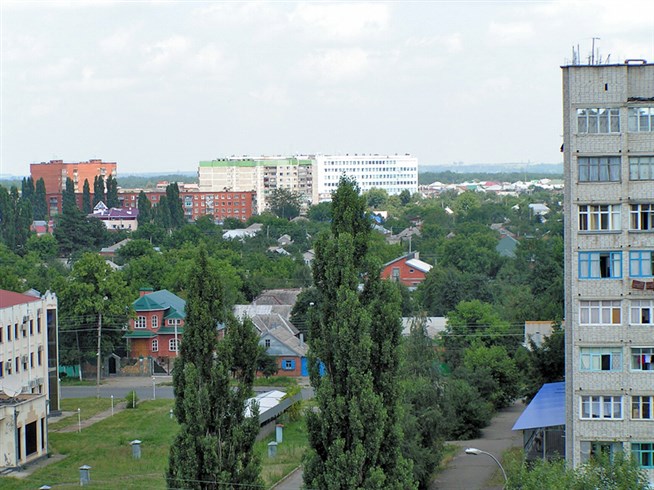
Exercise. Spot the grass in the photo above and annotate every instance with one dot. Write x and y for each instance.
(89, 407)
(510, 458)
(105, 447)
(279, 381)
(449, 451)
(66, 381)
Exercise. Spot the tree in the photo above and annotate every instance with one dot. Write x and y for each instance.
(44, 246)
(321, 212)
(349, 216)
(376, 198)
(27, 189)
(285, 203)
(15, 219)
(91, 290)
(75, 232)
(98, 190)
(175, 208)
(214, 447)
(547, 362)
(112, 192)
(405, 197)
(145, 209)
(40, 206)
(465, 411)
(86, 198)
(68, 200)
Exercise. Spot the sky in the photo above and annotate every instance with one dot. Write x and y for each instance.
(158, 86)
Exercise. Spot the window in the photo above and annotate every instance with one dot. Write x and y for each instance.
(31, 359)
(641, 407)
(641, 119)
(641, 312)
(603, 217)
(600, 265)
(8, 332)
(288, 364)
(641, 217)
(38, 324)
(598, 120)
(17, 361)
(155, 345)
(396, 274)
(602, 312)
(173, 344)
(31, 327)
(600, 359)
(140, 322)
(640, 263)
(266, 343)
(643, 453)
(2, 368)
(39, 356)
(641, 168)
(174, 321)
(601, 407)
(591, 449)
(154, 321)
(599, 169)
(1, 333)
(641, 358)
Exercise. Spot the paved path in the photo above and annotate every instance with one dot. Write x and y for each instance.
(473, 472)
(74, 427)
(292, 482)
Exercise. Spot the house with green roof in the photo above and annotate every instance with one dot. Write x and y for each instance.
(157, 327)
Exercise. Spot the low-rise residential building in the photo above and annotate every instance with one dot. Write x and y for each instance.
(408, 270)
(29, 386)
(116, 218)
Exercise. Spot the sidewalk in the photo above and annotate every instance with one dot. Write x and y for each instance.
(473, 472)
(119, 407)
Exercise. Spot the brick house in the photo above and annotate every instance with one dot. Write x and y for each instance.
(408, 270)
(157, 328)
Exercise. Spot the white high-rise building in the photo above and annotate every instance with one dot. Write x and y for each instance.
(609, 260)
(392, 173)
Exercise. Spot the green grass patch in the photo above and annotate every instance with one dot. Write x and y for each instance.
(66, 381)
(105, 447)
(88, 408)
(280, 381)
(449, 451)
(510, 458)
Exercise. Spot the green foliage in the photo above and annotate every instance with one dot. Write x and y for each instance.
(321, 212)
(450, 177)
(76, 233)
(45, 246)
(112, 192)
(266, 364)
(98, 190)
(145, 209)
(86, 198)
(547, 362)
(40, 205)
(132, 399)
(376, 198)
(465, 411)
(445, 287)
(212, 381)
(15, 219)
(284, 203)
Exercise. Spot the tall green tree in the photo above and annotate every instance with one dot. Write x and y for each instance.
(212, 380)
(285, 203)
(86, 198)
(15, 219)
(112, 192)
(98, 190)
(27, 189)
(40, 206)
(68, 201)
(145, 209)
(175, 208)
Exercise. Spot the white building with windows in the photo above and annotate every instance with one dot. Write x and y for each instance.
(28, 375)
(393, 173)
(609, 247)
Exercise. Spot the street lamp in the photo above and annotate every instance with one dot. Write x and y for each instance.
(476, 452)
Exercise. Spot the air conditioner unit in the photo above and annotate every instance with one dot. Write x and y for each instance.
(26, 319)
(24, 358)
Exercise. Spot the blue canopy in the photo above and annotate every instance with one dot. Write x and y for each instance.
(547, 409)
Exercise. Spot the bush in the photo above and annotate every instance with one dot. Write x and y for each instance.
(132, 399)
(466, 413)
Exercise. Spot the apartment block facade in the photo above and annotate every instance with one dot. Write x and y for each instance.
(29, 387)
(609, 260)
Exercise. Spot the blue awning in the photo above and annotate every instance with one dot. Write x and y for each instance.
(547, 409)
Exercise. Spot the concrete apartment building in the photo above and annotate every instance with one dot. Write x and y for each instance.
(259, 174)
(609, 272)
(29, 386)
(55, 172)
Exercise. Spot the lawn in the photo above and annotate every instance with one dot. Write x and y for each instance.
(105, 447)
(88, 408)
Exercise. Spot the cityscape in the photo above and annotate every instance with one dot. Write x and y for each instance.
(285, 315)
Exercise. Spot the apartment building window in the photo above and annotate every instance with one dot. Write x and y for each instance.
(600, 359)
(1, 334)
(641, 408)
(140, 322)
(155, 345)
(641, 312)
(598, 120)
(641, 168)
(600, 312)
(2, 368)
(600, 265)
(592, 449)
(640, 263)
(154, 321)
(599, 169)
(603, 217)
(601, 407)
(173, 344)
(643, 453)
(641, 217)
(641, 119)
(641, 358)
(39, 355)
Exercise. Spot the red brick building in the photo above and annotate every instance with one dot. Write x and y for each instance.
(408, 270)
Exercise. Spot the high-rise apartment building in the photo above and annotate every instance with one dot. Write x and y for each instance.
(609, 260)
(261, 175)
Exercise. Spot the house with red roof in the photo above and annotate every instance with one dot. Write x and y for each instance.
(408, 270)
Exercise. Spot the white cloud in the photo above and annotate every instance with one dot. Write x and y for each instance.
(274, 95)
(88, 82)
(163, 53)
(452, 43)
(23, 48)
(210, 61)
(510, 32)
(341, 21)
(41, 107)
(336, 65)
(59, 69)
(118, 42)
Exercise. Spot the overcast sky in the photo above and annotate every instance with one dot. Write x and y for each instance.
(159, 86)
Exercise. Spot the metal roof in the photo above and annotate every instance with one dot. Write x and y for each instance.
(547, 409)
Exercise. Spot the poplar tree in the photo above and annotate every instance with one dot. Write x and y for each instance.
(68, 202)
(112, 192)
(40, 206)
(98, 190)
(176, 211)
(145, 209)
(354, 437)
(86, 198)
(212, 382)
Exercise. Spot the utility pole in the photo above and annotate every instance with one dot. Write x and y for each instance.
(97, 383)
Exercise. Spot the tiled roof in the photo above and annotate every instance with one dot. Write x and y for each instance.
(10, 298)
(161, 300)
